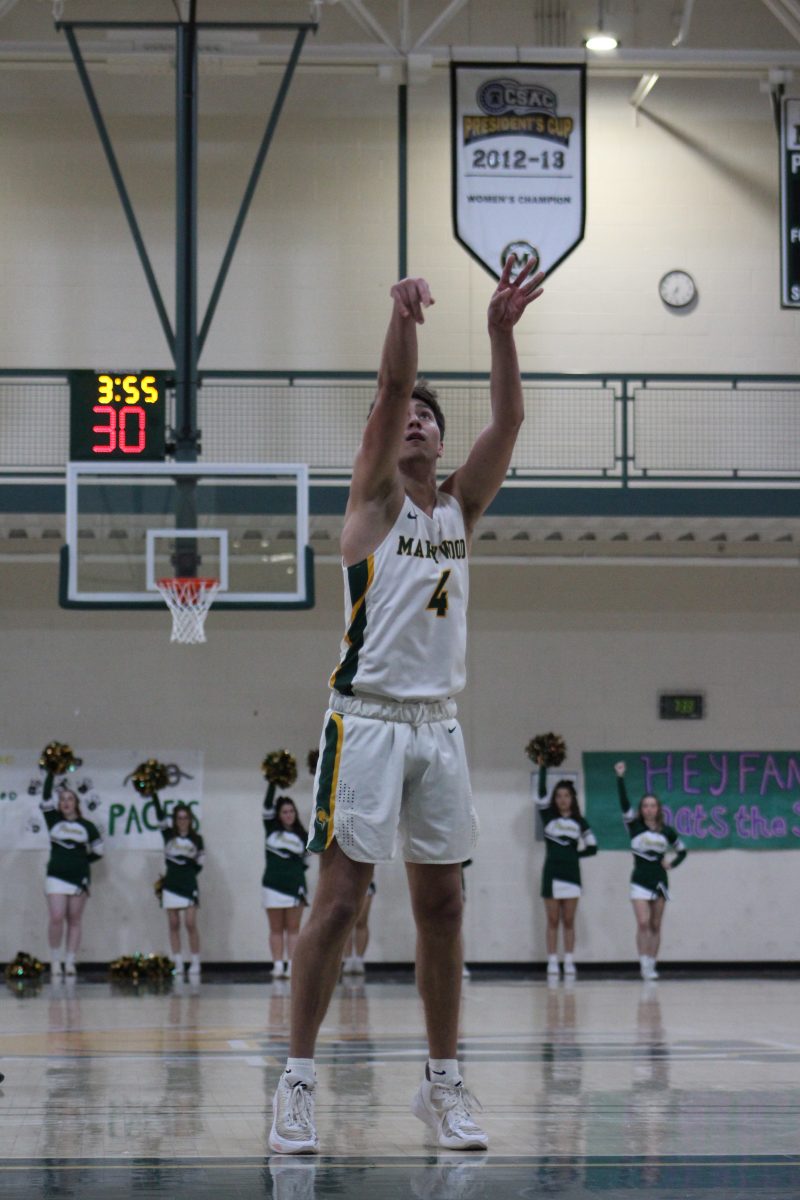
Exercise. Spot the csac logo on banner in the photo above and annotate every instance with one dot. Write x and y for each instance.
(518, 145)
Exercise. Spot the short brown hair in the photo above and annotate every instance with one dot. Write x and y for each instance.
(423, 392)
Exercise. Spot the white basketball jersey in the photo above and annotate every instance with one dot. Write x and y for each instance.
(406, 610)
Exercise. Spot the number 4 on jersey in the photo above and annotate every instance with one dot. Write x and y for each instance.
(438, 601)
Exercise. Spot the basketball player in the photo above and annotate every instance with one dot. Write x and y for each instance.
(392, 755)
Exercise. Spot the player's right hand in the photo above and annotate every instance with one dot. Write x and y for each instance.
(619, 768)
(410, 297)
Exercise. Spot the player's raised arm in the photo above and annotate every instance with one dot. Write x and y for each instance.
(375, 468)
(476, 483)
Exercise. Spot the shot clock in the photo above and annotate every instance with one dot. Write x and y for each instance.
(681, 706)
(116, 416)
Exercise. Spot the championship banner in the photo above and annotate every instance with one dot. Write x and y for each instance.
(790, 203)
(519, 161)
(716, 799)
(125, 818)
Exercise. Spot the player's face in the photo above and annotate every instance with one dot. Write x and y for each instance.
(182, 823)
(650, 810)
(563, 799)
(422, 432)
(68, 806)
(287, 815)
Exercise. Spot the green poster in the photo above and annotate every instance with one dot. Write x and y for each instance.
(716, 799)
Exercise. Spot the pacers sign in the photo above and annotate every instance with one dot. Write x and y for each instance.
(519, 158)
(790, 204)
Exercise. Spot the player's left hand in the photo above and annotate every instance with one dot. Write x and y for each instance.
(512, 297)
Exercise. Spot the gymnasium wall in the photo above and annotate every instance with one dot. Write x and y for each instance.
(692, 183)
(581, 650)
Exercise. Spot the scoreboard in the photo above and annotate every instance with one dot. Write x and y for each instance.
(117, 416)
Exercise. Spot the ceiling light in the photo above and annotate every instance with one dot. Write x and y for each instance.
(599, 39)
(601, 42)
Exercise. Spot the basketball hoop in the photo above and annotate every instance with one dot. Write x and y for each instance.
(188, 600)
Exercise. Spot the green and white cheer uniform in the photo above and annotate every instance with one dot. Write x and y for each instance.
(184, 858)
(392, 758)
(566, 841)
(74, 845)
(283, 884)
(649, 846)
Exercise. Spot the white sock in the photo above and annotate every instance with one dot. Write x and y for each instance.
(178, 960)
(70, 956)
(644, 960)
(552, 960)
(196, 959)
(303, 1069)
(443, 1070)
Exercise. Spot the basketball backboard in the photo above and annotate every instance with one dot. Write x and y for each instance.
(130, 524)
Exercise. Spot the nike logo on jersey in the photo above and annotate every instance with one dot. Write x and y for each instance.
(411, 516)
(449, 730)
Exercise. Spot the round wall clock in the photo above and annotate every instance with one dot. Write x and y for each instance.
(677, 289)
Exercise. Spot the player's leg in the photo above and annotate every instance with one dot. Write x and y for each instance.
(340, 891)
(442, 1102)
(437, 905)
(292, 918)
(317, 959)
(56, 913)
(439, 830)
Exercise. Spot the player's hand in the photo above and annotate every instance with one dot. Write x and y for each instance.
(619, 769)
(512, 297)
(410, 297)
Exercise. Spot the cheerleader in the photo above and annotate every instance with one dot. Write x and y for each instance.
(567, 839)
(651, 842)
(75, 843)
(184, 854)
(283, 885)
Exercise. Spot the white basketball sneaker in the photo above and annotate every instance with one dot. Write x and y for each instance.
(447, 1110)
(293, 1130)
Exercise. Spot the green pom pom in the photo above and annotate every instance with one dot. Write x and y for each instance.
(547, 750)
(280, 768)
(57, 758)
(150, 776)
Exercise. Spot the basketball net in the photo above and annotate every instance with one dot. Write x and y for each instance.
(189, 601)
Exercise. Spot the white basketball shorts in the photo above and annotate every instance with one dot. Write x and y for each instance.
(390, 770)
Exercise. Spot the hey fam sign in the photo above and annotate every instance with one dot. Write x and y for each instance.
(716, 799)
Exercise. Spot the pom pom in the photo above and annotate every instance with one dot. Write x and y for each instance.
(57, 758)
(313, 759)
(24, 967)
(150, 777)
(546, 750)
(142, 968)
(280, 768)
